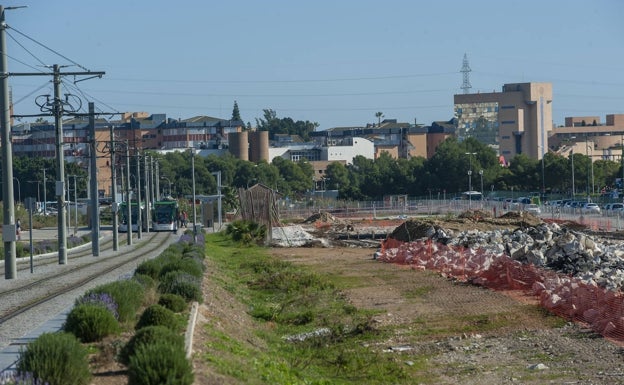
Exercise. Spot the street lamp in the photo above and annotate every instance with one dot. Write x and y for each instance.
(591, 160)
(169, 181)
(470, 154)
(481, 175)
(38, 183)
(19, 189)
(469, 188)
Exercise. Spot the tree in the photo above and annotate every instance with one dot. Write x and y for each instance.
(236, 113)
(379, 115)
(275, 125)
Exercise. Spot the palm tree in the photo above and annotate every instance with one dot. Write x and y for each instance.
(379, 115)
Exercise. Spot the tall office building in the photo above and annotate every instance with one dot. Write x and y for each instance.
(515, 121)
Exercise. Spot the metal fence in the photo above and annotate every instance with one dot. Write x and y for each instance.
(607, 221)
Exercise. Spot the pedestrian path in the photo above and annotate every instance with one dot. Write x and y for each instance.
(10, 354)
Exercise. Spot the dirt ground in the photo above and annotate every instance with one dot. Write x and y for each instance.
(529, 350)
(532, 350)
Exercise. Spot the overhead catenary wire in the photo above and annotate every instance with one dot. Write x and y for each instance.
(49, 49)
(28, 51)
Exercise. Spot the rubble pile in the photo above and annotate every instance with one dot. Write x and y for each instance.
(593, 260)
(412, 230)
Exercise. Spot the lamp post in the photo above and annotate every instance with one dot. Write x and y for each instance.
(572, 159)
(481, 175)
(19, 190)
(543, 174)
(75, 203)
(168, 181)
(470, 154)
(469, 188)
(591, 160)
(219, 204)
(38, 183)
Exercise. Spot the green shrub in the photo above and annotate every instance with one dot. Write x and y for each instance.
(187, 265)
(128, 294)
(150, 268)
(149, 335)
(145, 280)
(183, 284)
(246, 232)
(159, 363)
(174, 302)
(57, 358)
(198, 254)
(91, 322)
(159, 315)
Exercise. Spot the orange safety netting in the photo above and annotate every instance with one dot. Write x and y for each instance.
(569, 297)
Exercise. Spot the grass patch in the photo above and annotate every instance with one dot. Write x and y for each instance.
(292, 301)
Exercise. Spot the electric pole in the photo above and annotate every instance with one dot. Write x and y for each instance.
(9, 235)
(56, 107)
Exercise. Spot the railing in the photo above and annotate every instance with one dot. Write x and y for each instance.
(607, 221)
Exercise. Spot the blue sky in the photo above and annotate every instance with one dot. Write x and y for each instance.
(336, 62)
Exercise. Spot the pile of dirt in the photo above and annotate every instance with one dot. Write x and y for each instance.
(441, 230)
(475, 215)
(412, 230)
(322, 216)
(521, 218)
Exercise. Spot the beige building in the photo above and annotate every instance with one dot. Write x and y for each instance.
(517, 120)
(589, 136)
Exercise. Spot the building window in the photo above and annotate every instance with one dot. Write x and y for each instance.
(508, 122)
(505, 137)
(508, 107)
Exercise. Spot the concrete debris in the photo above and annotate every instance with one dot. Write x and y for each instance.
(322, 332)
(594, 260)
(295, 236)
(538, 367)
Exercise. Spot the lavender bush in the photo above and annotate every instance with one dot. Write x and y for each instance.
(14, 378)
(102, 299)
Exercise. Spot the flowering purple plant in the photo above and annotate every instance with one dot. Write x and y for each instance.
(15, 378)
(100, 299)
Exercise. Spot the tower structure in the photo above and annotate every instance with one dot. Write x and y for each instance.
(465, 70)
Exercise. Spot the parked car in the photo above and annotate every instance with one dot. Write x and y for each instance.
(590, 208)
(533, 209)
(613, 208)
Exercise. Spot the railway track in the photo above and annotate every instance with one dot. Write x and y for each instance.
(18, 297)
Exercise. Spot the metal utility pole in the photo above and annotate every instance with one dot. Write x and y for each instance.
(194, 200)
(147, 197)
(60, 167)
(9, 235)
(57, 112)
(138, 189)
(157, 181)
(115, 205)
(218, 174)
(95, 201)
(45, 201)
(128, 200)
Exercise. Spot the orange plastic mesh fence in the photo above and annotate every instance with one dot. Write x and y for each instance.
(600, 309)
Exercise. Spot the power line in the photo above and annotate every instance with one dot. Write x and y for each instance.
(273, 95)
(49, 49)
(25, 49)
(283, 80)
